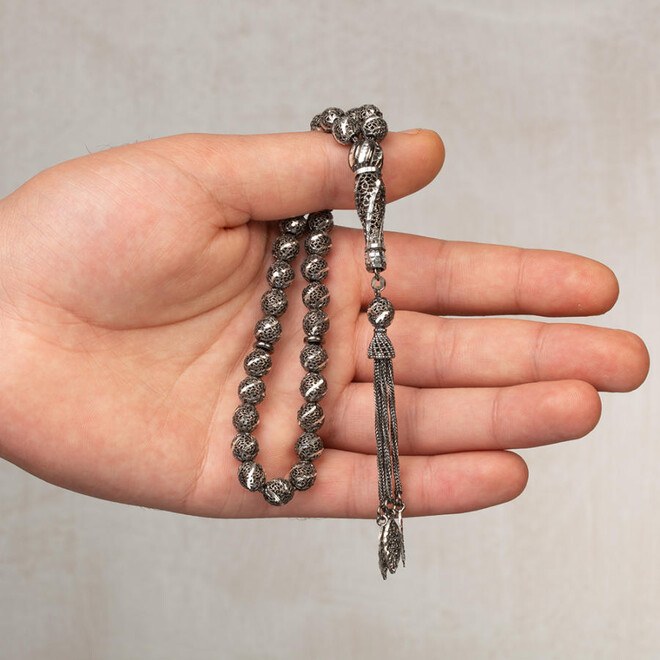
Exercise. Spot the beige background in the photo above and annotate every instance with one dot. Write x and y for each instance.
(551, 116)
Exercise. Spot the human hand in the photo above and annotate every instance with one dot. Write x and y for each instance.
(129, 286)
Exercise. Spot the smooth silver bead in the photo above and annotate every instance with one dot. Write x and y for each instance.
(329, 116)
(252, 390)
(313, 357)
(295, 225)
(251, 475)
(316, 323)
(245, 447)
(321, 221)
(309, 446)
(318, 242)
(380, 312)
(374, 127)
(367, 153)
(345, 128)
(302, 475)
(285, 248)
(245, 418)
(313, 387)
(314, 268)
(257, 362)
(280, 275)
(316, 295)
(268, 329)
(264, 345)
(278, 492)
(311, 417)
(274, 302)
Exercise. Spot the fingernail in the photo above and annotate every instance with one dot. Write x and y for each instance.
(412, 131)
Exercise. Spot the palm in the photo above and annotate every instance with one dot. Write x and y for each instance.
(133, 293)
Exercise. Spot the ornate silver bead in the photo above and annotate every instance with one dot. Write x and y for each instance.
(314, 268)
(274, 302)
(318, 242)
(251, 475)
(329, 116)
(321, 221)
(374, 127)
(245, 447)
(310, 417)
(257, 362)
(316, 323)
(252, 390)
(313, 387)
(309, 446)
(316, 295)
(367, 153)
(380, 312)
(268, 329)
(369, 110)
(302, 475)
(315, 124)
(278, 492)
(313, 357)
(345, 128)
(285, 248)
(295, 225)
(280, 275)
(245, 418)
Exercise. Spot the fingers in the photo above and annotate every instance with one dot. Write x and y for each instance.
(447, 277)
(268, 177)
(436, 421)
(438, 352)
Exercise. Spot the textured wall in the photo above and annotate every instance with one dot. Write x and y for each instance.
(550, 114)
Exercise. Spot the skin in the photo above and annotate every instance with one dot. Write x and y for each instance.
(130, 282)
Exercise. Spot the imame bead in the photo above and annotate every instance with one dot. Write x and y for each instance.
(268, 330)
(309, 446)
(296, 225)
(380, 312)
(329, 116)
(257, 362)
(374, 127)
(278, 492)
(316, 295)
(318, 242)
(285, 247)
(316, 323)
(245, 418)
(245, 447)
(321, 221)
(313, 358)
(280, 275)
(313, 387)
(311, 417)
(274, 302)
(252, 390)
(314, 268)
(302, 475)
(251, 475)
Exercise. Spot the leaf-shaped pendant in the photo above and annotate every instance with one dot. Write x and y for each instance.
(389, 548)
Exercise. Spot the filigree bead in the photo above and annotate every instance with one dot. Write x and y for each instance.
(313, 387)
(316, 295)
(285, 247)
(318, 242)
(274, 302)
(321, 221)
(295, 225)
(278, 492)
(314, 268)
(302, 475)
(374, 127)
(380, 312)
(329, 116)
(315, 124)
(245, 447)
(257, 363)
(252, 390)
(313, 357)
(310, 417)
(280, 275)
(369, 110)
(309, 446)
(268, 329)
(251, 475)
(345, 128)
(316, 323)
(245, 418)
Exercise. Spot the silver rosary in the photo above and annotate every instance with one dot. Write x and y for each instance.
(363, 128)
